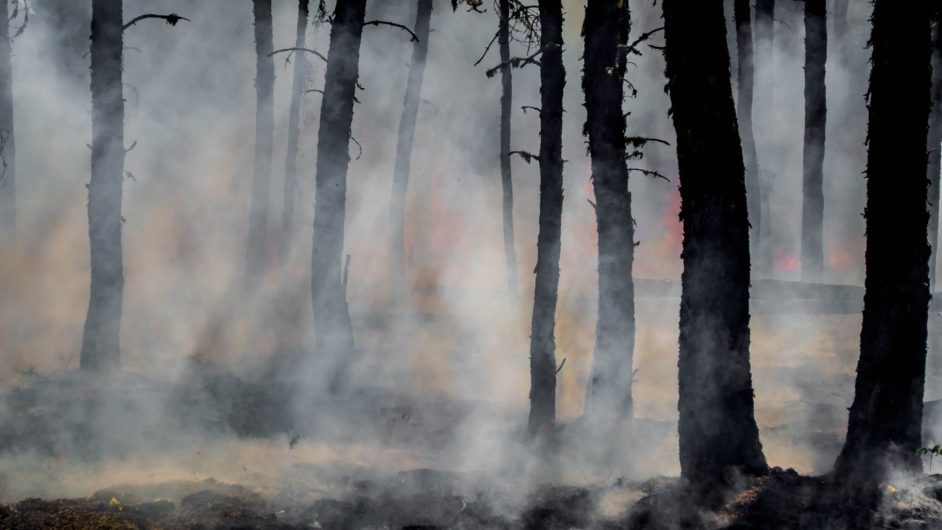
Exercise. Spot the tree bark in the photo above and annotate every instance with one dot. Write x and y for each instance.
(935, 139)
(506, 180)
(717, 424)
(542, 342)
(606, 28)
(264, 134)
(765, 59)
(332, 327)
(7, 137)
(294, 135)
(746, 87)
(400, 185)
(100, 338)
(812, 211)
(885, 424)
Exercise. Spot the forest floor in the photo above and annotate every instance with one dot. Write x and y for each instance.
(429, 499)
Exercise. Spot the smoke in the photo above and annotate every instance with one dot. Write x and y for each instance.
(446, 374)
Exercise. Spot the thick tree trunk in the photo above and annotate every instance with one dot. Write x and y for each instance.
(334, 333)
(717, 423)
(812, 211)
(765, 69)
(7, 137)
(506, 181)
(606, 28)
(400, 185)
(743, 15)
(885, 425)
(264, 134)
(294, 135)
(935, 139)
(542, 342)
(100, 339)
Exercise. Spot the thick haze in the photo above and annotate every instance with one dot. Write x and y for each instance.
(191, 110)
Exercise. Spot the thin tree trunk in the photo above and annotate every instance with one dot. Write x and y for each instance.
(410, 111)
(812, 211)
(717, 424)
(840, 22)
(294, 127)
(264, 134)
(935, 139)
(542, 342)
(765, 60)
(334, 333)
(885, 424)
(100, 338)
(606, 28)
(506, 180)
(7, 137)
(746, 87)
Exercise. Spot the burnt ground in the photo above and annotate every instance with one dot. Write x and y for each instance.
(429, 499)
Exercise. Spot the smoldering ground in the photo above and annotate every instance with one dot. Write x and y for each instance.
(439, 415)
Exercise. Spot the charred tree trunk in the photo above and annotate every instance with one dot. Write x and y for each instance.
(935, 139)
(542, 342)
(717, 423)
(885, 425)
(812, 210)
(764, 59)
(400, 185)
(506, 181)
(746, 87)
(7, 138)
(334, 333)
(100, 338)
(294, 127)
(606, 28)
(264, 134)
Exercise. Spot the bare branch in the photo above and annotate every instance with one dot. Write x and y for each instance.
(519, 62)
(531, 107)
(133, 145)
(308, 50)
(561, 365)
(171, 19)
(649, 173)
(638, 141)
(415, 38)
(526, 155)
(360, 146)
(487, 49)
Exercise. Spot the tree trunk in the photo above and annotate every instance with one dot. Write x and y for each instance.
(294, 126)
(885, 425)
(506, 181)
(100, 338)
(7, 137)
(334, 333)
(764, 58)
(410, 111)
(606, 28)
(717, 424)
(542, 342)
(746, 86)
(840, 23)
(935, 139)
(264, 134)
(812, 211)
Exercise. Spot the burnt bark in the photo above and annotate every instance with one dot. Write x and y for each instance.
(742, 10)
(885, 424)
(400, 183)
(935, 139)
(100, 337)
(764, 60)
(717, 424)
(506, 177)
(7, 137)
(606, 27)
(542, 342)
(332, 327)
(294, 127)
(812, 210)
(264, 135)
